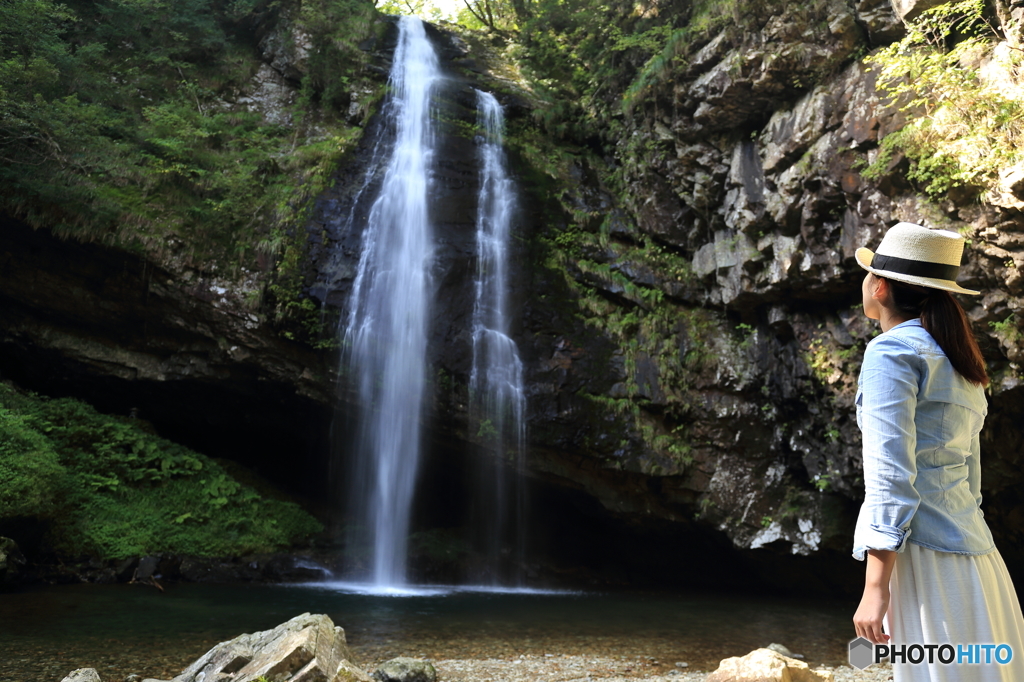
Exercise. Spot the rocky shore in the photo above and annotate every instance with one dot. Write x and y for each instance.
(557, 668)
(311, 648)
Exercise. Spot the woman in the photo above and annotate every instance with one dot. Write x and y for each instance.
(933, 576)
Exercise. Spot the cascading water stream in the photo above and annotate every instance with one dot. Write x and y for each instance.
(496, 382)
(385, 336)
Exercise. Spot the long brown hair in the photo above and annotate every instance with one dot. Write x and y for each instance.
(943, 317)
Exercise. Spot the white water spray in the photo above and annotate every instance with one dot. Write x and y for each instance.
(496, 382)
(386, 332)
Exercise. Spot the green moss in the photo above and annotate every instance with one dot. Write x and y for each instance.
(110, 489)
(656, 332)
(647, 326)
(622, 406)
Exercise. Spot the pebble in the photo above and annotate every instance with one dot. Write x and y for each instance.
(558, 658)
(569, 668)
(551, 667)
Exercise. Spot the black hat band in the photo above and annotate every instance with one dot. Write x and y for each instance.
(917, 268)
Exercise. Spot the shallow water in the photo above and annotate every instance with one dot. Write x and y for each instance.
(122, 629)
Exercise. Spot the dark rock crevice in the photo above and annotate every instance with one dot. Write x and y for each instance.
(124, 334)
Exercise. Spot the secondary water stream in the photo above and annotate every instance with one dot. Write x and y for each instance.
(498, 401)
(122, 629)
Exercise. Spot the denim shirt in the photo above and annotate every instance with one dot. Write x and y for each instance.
(920, 421)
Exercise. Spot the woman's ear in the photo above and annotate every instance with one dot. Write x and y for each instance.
(881, 292)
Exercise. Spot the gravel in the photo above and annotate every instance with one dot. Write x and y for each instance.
(568, 668)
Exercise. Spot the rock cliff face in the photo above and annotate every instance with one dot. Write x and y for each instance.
(692, 340)
(747, 351)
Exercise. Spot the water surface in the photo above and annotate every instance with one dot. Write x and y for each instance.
(122, 629)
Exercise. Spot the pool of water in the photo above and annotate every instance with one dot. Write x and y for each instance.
(122, 629)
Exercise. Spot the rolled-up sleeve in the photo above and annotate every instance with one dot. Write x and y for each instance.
(889, 383)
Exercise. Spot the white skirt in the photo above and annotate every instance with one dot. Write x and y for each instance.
(944, 598)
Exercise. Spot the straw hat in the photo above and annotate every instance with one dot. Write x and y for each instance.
(917, 255)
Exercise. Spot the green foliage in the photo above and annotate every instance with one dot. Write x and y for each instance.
(32, 479)
(829, 362)
(500, 16)
(704, 507)
(408, 7)
(580, 55)
(706, 18)
(1007, 330)
(444, 382)
(335, 61)
(113, 490)
(621, 406)
(117, 122)
(614, 280)
(962, 130)
(747, 331)
(486, 429)
(312, 322)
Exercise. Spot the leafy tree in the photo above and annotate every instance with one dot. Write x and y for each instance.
(501, 16)
(420, 8)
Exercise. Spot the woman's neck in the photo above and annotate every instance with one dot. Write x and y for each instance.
(889, 319)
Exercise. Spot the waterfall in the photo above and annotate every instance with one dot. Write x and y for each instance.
(385, 336)
(497, 401)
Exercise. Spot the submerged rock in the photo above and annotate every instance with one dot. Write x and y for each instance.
(10, 558)
(783, 649)
(405, 670)
(83, 675)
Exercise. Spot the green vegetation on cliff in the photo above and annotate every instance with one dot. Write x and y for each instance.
(107, 488)
(129, 121)
(957, 84)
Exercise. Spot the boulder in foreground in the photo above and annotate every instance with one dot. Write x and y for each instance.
(765, 665)
(307, 648)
